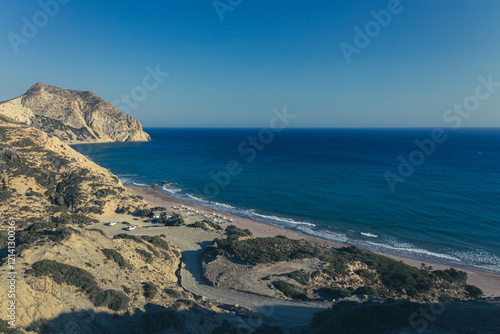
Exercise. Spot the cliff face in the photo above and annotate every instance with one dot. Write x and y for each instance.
(73, 116)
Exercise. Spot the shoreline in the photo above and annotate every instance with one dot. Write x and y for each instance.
(488, 282)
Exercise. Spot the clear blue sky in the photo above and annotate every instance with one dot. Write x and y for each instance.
(264, 54)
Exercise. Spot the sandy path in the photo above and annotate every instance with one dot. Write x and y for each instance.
(489, 283)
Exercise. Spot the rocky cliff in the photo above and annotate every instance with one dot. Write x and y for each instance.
(73, 116)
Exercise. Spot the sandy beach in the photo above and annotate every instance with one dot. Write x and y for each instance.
(488, 282)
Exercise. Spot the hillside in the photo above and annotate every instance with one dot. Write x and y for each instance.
(41, 177)
(72, 116)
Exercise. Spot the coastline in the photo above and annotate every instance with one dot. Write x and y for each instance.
(488, 282)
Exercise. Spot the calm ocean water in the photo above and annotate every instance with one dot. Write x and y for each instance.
(331, 183)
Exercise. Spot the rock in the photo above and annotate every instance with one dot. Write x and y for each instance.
(166, 183)
(156, 186)
(73, 116)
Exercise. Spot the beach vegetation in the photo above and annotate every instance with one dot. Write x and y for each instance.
(157, 242)
(300, 276)
(84, 281)
(289, 290)
(97, 230)
(112, 254)
(198, 224)
(122, 209)
(104, 192)
(473, 291)
(366, 290)
(129, 237)
(75, 219)
(150, 290)
(333, 293)
(452, 275)
(236, 232)
(175, 220)
(145, 255)
(261, 250)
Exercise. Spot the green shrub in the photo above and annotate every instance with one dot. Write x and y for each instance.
(474, 291)
(143, 213)
(334, 293)
(234, 231)
(82, 279)
(366, 290)
(128, 236)
(262, 250)
(173, 293)
(146, 256)
(104, 192)
(289, 290)
(97, 230)
(300, 276)
(150, 290)
(213, 225)
(198, 225)
(364, 273)
(451, 275)
(157, 242)
(73, 218)
(112, 254)
(158, 208)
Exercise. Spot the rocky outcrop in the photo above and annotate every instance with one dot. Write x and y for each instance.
(73, 116)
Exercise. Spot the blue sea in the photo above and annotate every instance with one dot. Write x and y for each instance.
(444, 204)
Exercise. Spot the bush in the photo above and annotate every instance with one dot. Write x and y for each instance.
(97, 230)
(157, 242)
(213, 225)
(366, 290)
(82, 279)
(146, 256)
(173, 293)
(150, 290)
(104, 192)
(364, 273)
(175, 220)
(112, 254)
(262, 250)
(198, 225)
(143, 213)
(474, 291)
(289, 290)
(299, 275)
(128, 236)
(76, 219)
(236, 232)
(334, 293)
(451, 275)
